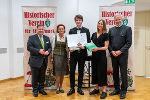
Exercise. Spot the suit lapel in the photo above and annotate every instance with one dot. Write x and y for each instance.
(75, 30)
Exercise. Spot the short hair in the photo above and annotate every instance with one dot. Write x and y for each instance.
(39, 25)
(104, 26)
(59, 26)
(78, 16)
(117, 14)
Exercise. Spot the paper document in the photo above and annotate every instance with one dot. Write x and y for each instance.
(74, 39)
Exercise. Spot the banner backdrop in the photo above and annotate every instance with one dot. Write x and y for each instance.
(107, 13)
(32, 16)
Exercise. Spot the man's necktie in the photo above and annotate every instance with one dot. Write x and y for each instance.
(79, 28)
(42, 42)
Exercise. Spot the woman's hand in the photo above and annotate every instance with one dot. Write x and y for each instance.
(52, 60)
(68, 61)
(94, 50)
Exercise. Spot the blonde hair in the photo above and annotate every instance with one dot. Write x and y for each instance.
(104, 30)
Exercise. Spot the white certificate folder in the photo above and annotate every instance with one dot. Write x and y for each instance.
(74, 39)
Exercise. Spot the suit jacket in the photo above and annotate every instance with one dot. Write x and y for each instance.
(82, 30)
(120, 38)
(33, 46)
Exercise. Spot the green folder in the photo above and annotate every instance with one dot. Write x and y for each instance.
(90, 46)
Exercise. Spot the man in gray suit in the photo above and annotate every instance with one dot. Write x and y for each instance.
(120, 40)
(39, 47)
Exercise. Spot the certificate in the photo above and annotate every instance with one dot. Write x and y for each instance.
(82, 39)
(74, 39)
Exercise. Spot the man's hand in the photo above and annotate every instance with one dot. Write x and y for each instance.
(80, 46)
(46, 53)
(41, 51)
(71, 50)
(118, 52)
(114, 53)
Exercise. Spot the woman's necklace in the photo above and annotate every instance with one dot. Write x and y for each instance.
(61, 38)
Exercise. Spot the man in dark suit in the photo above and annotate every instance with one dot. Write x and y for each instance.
(120, 40)
(39, 47)
(78, 56)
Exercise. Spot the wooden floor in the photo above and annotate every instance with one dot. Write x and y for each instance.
(14, 90)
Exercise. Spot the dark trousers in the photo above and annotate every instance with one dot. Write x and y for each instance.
(120, 62)
(99, 69)
(38, 77)
(75, 58)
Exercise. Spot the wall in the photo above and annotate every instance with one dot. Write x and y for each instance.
(17, 30)
(142, 37)
(12, 36)
(67, 9)
(147, 45)
(12, 33)
(4, 43)
(90, 10)
(142, 43)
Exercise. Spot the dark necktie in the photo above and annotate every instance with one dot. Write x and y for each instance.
(79, 29)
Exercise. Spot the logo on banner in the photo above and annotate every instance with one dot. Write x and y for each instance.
(47, 22)
(125, 21)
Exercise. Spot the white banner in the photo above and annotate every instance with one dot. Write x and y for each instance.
(128, 12)
(32, 16)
